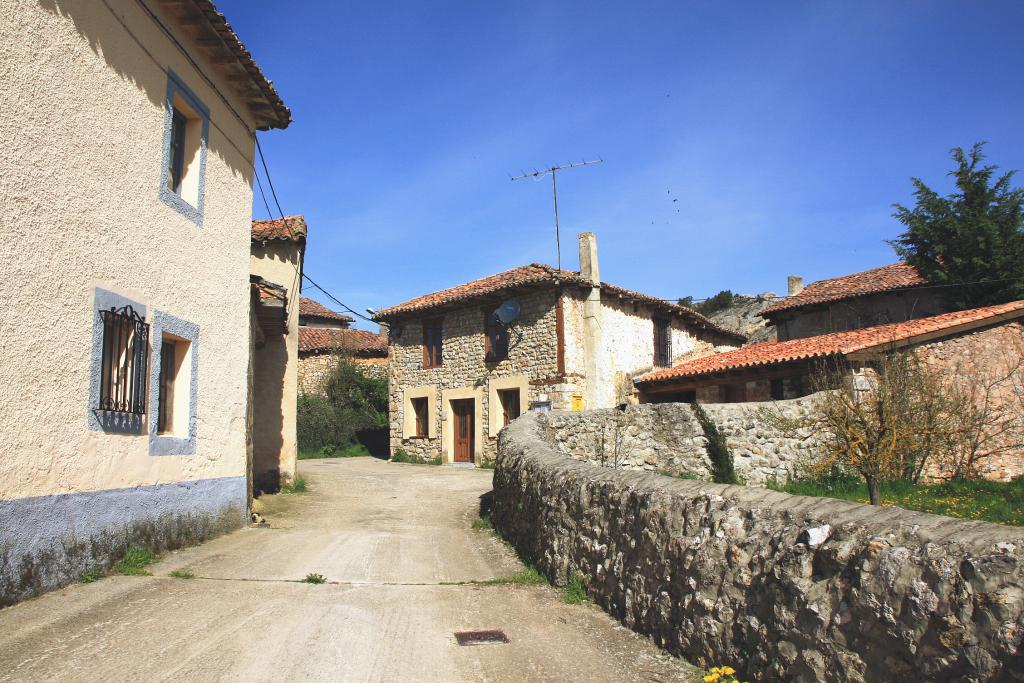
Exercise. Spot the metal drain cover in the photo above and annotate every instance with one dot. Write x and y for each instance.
(480, 637)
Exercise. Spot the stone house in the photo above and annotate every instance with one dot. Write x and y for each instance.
(275, 265)
(458, 374)
(325, 336)
(980, 343)
(126, 180)
(889, 294)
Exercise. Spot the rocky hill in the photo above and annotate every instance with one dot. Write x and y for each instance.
(742, 316)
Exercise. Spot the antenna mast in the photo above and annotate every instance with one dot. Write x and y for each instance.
(537, 174)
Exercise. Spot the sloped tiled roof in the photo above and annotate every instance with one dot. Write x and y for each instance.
(289, 228)
(836, 343)
(357, 342)
(314, 309)
(273, 112)
(886, 278)
(534, 274)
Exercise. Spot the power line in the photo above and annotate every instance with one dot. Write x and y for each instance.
(256, 175)
(267, 173)
(273, 192)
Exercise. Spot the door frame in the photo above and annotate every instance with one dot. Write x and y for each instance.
(448, 426)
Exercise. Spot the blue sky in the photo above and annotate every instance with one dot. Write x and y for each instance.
(742, 141)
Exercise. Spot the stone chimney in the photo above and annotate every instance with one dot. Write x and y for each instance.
(796, 285)
(588, 258)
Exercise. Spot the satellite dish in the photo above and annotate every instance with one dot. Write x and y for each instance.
(508, 312)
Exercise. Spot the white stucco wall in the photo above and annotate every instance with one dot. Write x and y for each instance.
(82, 118)
(274, 429)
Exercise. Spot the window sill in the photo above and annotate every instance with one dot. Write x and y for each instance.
(176, 202)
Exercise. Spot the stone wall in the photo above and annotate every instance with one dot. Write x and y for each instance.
(314, 369)
(667, 438)
(781, 587)
(992, 362)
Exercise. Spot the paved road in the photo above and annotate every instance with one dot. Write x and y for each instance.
(391, 540)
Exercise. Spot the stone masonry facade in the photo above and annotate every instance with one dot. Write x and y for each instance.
(532, 359)
(666, 438)
(780, 587)
(992, 356)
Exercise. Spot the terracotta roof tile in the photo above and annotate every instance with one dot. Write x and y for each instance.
(357, 342)
(289, 228)
(314, 309)
(278, 115)
(534, 274)
(837, 343)
(894, 276)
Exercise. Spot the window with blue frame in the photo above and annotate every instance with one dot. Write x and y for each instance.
(186, 132)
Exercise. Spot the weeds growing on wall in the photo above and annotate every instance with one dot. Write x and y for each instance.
(401, 455)
(722, 470)
(315, 578)
(297, 485)
(574, 593)
(135, 561)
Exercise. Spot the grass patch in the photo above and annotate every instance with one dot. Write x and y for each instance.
(135, 561)
(482, 523)
(297, 485)
(488, 464)
(978, 499)
(313, 577)
(401, 455)
(574, 593)
(529, 576)
(91, 575)
(353, 450)
(182, 574)
(689, 476)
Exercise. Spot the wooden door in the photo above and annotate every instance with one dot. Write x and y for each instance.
(462, 411)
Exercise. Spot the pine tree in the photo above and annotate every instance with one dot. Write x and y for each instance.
(973, 236)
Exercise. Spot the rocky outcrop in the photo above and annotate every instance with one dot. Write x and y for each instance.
(780, 587)
(743, 315)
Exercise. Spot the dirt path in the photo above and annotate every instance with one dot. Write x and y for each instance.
(395, 544)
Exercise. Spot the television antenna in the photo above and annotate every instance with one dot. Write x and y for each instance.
(537, 174)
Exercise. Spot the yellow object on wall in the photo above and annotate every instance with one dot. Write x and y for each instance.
(577, 402)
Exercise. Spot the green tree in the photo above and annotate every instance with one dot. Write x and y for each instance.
(350, 403)
(973, 236)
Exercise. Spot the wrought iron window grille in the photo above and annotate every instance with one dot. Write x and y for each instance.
(125, 368)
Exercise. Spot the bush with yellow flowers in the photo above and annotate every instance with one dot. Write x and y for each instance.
(721, 674)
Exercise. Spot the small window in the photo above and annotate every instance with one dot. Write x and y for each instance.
(185, 147)
(186, 132)
(125, 362)
(432, 345)
(662, 343)
(176, 170)
(509, 399)
(495, 338)
(173, 374)
(421, 410)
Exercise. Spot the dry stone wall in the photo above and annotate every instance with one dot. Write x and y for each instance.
(781, 587)
(667, 438)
